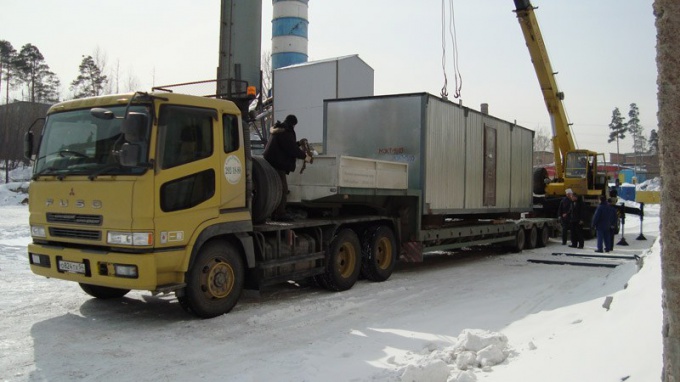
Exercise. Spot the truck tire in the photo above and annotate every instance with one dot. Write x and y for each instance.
(104, 293)
(531, 238)
(518, 244)
(543, 237)
(540, 174)
(214, 281)
(267, 190)
(378, 253)
(343, 262)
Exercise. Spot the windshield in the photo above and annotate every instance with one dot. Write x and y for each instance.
(77, 143)
(577, 163)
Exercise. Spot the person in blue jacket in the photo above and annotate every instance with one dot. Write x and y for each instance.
(602, 221)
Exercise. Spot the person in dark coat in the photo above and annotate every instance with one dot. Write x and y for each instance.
(602, 221)
(563, 214)
(281, 152)
(576, 219)
(614, 220)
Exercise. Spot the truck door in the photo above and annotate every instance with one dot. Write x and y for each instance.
(233, 178)
(186, 172)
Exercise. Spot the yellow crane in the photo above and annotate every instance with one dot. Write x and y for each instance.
(576, 169)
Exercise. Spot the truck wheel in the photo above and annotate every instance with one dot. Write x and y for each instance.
(214, 281)
(543, 237)
(103, 293)
(518, 244)
(343, 262)
(378, 253)
(531, 237)
(267, 190)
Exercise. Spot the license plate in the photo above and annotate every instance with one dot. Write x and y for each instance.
(72, 267)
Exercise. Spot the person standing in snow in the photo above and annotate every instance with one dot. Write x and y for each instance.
(563, 214)
(281, 152)
(576, 220)
(614, 219)
(602, 221)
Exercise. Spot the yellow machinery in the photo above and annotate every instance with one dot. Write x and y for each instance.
(575, 169)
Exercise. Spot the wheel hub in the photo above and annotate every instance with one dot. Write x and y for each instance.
(218, 280)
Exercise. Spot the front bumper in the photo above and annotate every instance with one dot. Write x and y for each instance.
(97, 267)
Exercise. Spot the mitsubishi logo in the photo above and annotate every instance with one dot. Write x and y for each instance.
(72, 193)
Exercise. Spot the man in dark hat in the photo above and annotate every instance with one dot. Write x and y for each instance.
(281, 152)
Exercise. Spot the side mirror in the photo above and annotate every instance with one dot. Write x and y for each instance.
(28, 145)
(134, 127)
(129, 155)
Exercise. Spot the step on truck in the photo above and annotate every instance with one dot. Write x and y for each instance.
(160, 192)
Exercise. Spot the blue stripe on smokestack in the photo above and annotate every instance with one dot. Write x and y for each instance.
(289, 32)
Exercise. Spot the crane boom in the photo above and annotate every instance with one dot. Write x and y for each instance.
(563, 141)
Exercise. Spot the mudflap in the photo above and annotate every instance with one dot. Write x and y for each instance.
(412, 252)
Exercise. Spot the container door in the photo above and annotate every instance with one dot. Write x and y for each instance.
(490, 136)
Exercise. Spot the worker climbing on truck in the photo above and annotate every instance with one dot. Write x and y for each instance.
(281, 152)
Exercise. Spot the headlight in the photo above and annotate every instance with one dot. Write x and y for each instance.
(38, 231)
(130, 238)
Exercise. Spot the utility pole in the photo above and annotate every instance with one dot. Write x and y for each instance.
(667, 14)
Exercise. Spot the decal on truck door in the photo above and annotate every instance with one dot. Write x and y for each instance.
(233, 169)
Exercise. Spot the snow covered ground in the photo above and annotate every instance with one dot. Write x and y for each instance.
(476, 316)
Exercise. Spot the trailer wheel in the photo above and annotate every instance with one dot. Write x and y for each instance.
(378, 253)
(214, 281)
(520, 239)
(267, 190)
(531, 237)
(543, 237)
(104, 293)
(343, 262)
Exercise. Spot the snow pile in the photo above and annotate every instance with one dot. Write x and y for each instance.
(650, 185)
(473, 350)
(16, 191)
(13, 193)
(19, 174)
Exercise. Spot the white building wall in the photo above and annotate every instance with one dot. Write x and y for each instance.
(301, 90)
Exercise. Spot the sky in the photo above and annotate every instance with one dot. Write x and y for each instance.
(603, 51)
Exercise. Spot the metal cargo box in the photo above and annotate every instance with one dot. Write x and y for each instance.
(462, 161)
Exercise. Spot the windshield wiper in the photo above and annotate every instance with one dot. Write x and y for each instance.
(43, 172)
(103, 170)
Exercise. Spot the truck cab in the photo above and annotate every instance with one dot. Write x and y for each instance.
(124, 185)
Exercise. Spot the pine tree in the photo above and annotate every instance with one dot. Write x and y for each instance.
(90, 81)
(7, 62)
(618, 129)
(653, 142)
(42, 84)
(635, 129)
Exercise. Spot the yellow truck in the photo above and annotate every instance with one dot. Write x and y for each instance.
(160, 192)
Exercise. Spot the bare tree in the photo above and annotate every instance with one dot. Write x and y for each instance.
(667, 14)
(267, 75)
(542, 141)
(132, 82)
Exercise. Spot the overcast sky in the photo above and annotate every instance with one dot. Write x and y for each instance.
(604, 50)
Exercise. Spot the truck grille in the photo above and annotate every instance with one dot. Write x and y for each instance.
(74, 219)
(75, 233)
